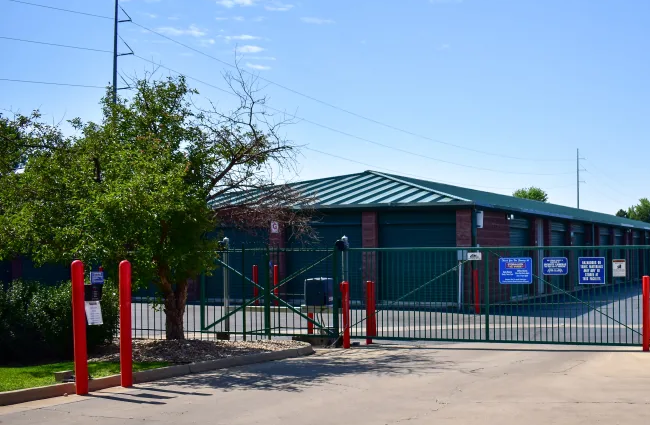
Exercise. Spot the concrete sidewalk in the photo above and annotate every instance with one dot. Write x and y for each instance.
(387, 384)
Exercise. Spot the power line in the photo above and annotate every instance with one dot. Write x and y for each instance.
(61, 9)
(55, 44)
(364, 139)
(343, 109)
(51, 83)
(355, 114)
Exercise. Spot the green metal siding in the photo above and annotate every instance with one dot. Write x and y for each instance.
(578, 234)
(558, 234)
(419, 279)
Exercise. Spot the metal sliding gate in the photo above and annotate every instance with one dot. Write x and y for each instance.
(555, 295)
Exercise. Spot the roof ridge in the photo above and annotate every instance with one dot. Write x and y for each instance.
(428, 189)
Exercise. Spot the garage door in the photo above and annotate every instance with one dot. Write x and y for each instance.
(416, 275)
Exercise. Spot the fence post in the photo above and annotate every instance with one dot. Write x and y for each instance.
(371, 312)
(646, 313)
(345, 306)
(126, 352)
(79, 328)
(310, 325)
(226, 284)
(477, 294)
(336, 296)
(487, 297)
(202, 292)
(243, 288)
(267, 295)
(256, 289)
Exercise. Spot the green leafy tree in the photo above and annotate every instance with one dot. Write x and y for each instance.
(148, 183)
(622, 213)
(533, 193)
(641, 211)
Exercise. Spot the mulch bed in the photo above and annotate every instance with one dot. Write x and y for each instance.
(191, 350)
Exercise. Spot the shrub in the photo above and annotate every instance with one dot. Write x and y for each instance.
(36, 322)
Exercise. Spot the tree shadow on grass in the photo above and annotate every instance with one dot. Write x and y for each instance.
(298, 374)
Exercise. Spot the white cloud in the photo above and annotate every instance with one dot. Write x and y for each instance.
(192, 30)
(241, 37)
(444, 46)
(173, 18)
(151, 15)
(262, 58)
(278, 7)
(232, 3)
(207, 41)
(259, 19)
(238, 18)
(221, 18)
(258, 66)
(249, 49)
(317, 21)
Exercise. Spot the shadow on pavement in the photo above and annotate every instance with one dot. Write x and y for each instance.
(499, 346)
(298, 374)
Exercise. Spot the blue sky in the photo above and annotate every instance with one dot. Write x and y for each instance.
(512, 78)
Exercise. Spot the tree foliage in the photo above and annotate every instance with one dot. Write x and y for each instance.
(622, 213)
(532, 193)
(641, 211)
(137, 185)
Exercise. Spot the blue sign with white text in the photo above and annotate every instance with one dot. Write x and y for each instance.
(516, 271)
(555, 266)
(96, 278)
(591, 270)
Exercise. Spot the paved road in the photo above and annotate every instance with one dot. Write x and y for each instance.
(442, 384)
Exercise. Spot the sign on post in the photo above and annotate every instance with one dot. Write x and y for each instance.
(474, 256)
(516, 271)
(275, 227)
(591, 270)
(618, 268)
(93, 313)
(555, 266)
(96, 278)
(92, 297)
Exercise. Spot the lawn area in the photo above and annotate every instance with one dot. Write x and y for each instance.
(16, 378)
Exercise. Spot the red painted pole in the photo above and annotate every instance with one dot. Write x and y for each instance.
(310, 325)
(256, 289)
(126, 349)
(646, 313)
(477, 295)
(371, 312)
(79, 328)
(345, 306)
(276, 280)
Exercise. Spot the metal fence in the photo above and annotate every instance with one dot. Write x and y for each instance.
(422, 294)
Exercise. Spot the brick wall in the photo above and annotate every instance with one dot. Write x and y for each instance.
(278, 240)
(464, 228)
(369, 239)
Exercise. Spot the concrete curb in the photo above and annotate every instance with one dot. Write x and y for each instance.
(57, 390)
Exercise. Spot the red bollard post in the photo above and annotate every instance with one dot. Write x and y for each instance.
(276, 280)
(79, 328)
(310, 325)
(371, 312)
(477, 295)
(646, 313)
(126, 349)
(256, 289)
(345, 306)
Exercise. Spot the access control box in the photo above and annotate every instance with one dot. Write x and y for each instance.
(318, 291)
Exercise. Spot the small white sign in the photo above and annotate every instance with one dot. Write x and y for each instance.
(618, 268)
(93, 313)
(275, 227)
(474, 256)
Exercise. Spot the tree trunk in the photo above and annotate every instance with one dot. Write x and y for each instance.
(174, 310)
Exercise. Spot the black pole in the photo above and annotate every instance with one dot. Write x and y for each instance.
(115, 52)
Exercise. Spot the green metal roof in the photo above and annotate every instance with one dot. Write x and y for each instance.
(375, 189)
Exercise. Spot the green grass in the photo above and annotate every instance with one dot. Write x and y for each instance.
(17, 378)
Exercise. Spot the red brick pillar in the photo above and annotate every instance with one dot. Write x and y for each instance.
(369, 239)
(464, 239)
(571, 257)
(278, 240)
